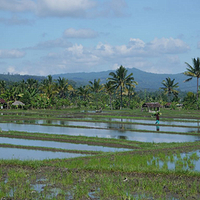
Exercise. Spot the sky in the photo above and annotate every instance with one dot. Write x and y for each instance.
(47, 37)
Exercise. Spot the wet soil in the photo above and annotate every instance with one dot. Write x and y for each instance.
(133, 181)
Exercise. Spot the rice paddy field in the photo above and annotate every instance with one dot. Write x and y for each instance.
(80, 154)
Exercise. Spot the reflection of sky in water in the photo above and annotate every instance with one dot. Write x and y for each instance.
(183, 156)
(125, 126)
(26, 154)
(129, 135)
(61, 145)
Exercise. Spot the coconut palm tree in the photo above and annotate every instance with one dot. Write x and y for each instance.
(48, 87)
(83, 91)
(2, 86)
(193, 71)
(95, 87)
(62, 86)
(120, 80)
(169, 87)
(109, 90)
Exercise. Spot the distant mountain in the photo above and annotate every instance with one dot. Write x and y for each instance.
(18, 77)
(146, 80)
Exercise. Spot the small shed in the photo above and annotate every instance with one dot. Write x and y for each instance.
(18, 103)
(152, 107)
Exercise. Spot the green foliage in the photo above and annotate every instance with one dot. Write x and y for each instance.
(169, 87)
(190, 101)
(118, 92)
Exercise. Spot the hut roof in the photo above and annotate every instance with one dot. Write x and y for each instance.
(17, 103)
(151, 105)
(2, 101)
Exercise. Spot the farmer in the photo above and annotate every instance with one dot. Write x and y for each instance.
(157, 118)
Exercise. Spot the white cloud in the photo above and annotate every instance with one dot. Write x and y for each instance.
(67, 8)
(81, 33)
(103, 56)
(137, 43)
(76, 50)
(168, 45)
(11, 53)
(104, 50)
(63, 8)
(136, 53)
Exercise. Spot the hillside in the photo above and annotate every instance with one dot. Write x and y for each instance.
(148, 81)
(18, 77)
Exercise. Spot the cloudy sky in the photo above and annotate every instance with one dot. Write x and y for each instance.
(42, 37)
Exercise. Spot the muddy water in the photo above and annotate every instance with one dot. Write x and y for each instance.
(61, 145)
(119, 134)
(26, 154)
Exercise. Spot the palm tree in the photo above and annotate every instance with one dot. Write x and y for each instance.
(2, 86)
(83, 91)
(95, 87)
(109, 90)
(169, 87)
(193, 71)
(48, 87)
(62, 86)
(120, 80)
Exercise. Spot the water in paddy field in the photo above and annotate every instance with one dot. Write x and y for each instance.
(118, 134)
(27, 154)
(147, 125)
(182, 161)
(60, 145)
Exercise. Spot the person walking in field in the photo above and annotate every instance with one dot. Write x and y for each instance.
(157, 118)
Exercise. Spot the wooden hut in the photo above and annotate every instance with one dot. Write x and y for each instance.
(151, 107)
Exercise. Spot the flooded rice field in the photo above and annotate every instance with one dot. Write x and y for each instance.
(172, 126)
(105, 133)
(28, 154)
(117, 128)
(60, 145)
(134, 158)
(182, 161)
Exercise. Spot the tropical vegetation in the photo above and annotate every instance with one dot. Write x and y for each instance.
(193, 71)
(119, 92)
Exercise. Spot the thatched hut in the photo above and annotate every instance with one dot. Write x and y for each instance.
(18, 103)
(151, 107)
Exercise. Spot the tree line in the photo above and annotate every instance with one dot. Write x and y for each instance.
(117, 93)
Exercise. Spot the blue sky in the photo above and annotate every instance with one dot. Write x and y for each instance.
(42, 37)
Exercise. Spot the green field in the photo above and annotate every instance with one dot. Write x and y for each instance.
(149, 170)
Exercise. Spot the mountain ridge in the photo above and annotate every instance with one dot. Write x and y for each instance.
(146, 80)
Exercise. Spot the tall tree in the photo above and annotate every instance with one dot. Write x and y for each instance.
(62, 86)
(83, 91)
(193, 71)
(120, 80)
(48, 87)
(95, 87)
(170, 87)
(109, 90)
